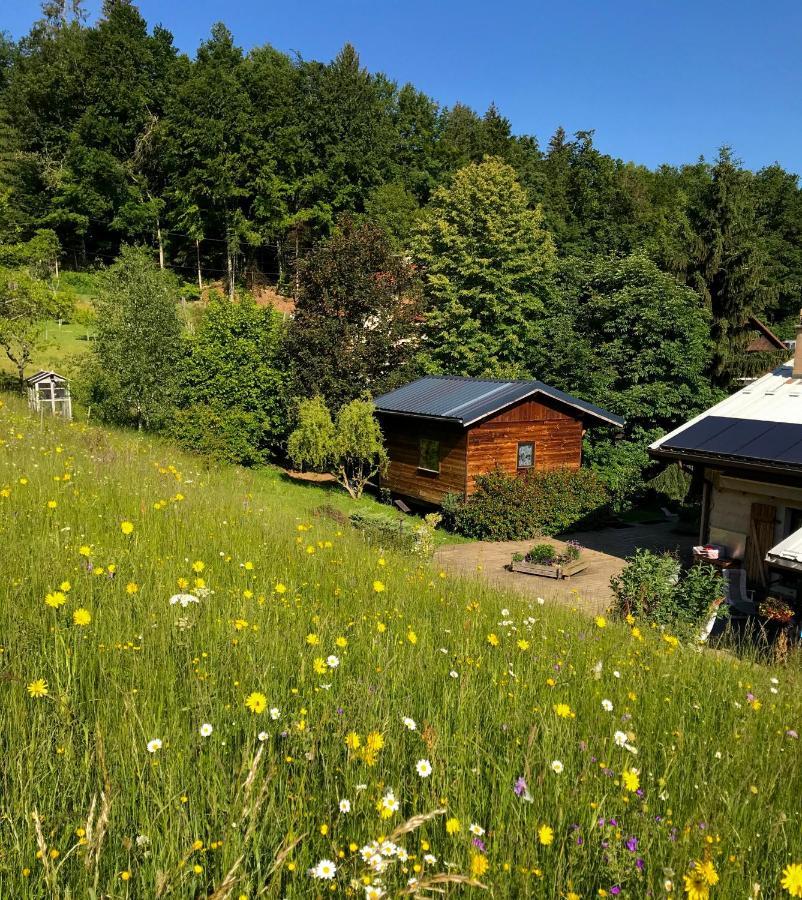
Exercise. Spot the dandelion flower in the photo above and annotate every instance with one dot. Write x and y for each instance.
(696, 886)
(423, 767)
(479, 865)
(81, 617)
(493, 640)
(154, 745)
(85, 550)
(324, 870)
(55, 599)
(38, 688)
(545, 834)
(206, 729)
(631, 779)
(256, 702)
(453, 825)
(601, 622)
(563, 710)
(792, 879)
(378, 586)
(126, 527)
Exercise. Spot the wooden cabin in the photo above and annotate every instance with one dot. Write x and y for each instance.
(443, 431)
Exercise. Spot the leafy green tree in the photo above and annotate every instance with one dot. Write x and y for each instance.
(234, 377)
(729, 269)
(395, 210)
(25, 305)
(350, 447)
(355, 326)
(135, 356)
(487, 261)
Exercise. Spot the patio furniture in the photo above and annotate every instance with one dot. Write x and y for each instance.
(740, 600)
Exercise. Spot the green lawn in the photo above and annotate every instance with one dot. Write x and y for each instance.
(61, 348)
(590, 759)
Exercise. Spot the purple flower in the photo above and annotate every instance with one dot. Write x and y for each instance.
(792, 734)
(615, 889)
(632, 844)
(520, 786)
(639, 863)
(479, 844)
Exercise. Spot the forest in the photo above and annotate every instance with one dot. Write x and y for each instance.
(410, 238)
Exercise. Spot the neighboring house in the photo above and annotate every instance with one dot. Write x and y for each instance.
(443, 431)
(763, 340)
(748, 450)
(763, 353)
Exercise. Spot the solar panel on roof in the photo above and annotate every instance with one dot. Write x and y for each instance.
(699, 433)
(747, 439)
(738, 435)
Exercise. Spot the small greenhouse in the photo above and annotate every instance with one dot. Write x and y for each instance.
(49, 393)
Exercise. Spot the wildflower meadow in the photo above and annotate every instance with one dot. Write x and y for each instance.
(208, 692)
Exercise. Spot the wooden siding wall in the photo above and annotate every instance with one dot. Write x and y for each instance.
(556, 434)
(401, 437)
(466, 453)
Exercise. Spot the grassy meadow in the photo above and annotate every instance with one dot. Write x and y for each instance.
(312, 715)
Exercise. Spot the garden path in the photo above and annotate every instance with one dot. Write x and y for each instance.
(589, 590)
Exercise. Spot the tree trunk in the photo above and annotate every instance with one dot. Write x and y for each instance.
(161, 244)
(278, 261)
(297, 252)
(197, 257)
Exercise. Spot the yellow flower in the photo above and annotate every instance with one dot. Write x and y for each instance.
(493, 640)
(56, 599)
(352, 740)
(65, 586)
(374, 741)
(126, 527)
(81, 617)
(792, 879)
(378, 586)
(479, 865)
(523, 645)
(563, 710)
(313, 640)
(280, 588)
(452, 825)
(240, 624)
(38, 688)
(248, 566)
(320, 665)
(256, 702)
(631, 779)
(545, 834)
(412, 637)
(198, 566)
(709, 871)
(601, 622)
(341, 642)
(51, 504)
(126, 875)
(696, 886)
(132, 587)
(85, 550)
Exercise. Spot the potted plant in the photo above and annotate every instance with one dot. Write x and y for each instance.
(778, 611)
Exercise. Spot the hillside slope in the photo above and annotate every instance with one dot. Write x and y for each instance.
(302, 650)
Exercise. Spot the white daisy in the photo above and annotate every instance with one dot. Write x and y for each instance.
(325, 870)
(557, 766)
(607, 705)
(154, 745)
(206, 729)
(424, 768)
(409, 723)
(345, 806)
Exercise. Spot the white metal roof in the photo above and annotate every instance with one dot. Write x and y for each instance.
(775, 397)
(788, 553)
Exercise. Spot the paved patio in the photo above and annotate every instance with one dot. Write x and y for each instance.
(590, 589)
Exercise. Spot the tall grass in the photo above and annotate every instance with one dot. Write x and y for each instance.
(708, 785)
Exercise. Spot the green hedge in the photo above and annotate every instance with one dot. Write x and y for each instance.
(509, 508)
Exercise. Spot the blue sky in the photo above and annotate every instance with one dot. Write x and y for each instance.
(658, 80)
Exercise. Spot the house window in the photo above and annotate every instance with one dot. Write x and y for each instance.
(429, 455)
(526, 456)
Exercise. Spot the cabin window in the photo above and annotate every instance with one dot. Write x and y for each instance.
(526, 456)
(429, 455)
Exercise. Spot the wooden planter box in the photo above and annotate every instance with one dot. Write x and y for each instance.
(563, 571)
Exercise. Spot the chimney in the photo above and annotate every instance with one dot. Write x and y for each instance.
(797, 371)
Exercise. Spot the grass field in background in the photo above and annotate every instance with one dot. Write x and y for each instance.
(61, 349)
(252, 742)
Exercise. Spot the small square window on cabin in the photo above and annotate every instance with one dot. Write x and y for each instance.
(429, 455)
(526, 456)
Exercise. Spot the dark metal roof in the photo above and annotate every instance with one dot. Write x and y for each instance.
(467, 400)
(777, 444)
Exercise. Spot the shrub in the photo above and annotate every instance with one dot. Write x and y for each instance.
(653, 587)
(509, 508)
(542, 554)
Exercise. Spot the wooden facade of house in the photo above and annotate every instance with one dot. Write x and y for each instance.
(441, 433)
